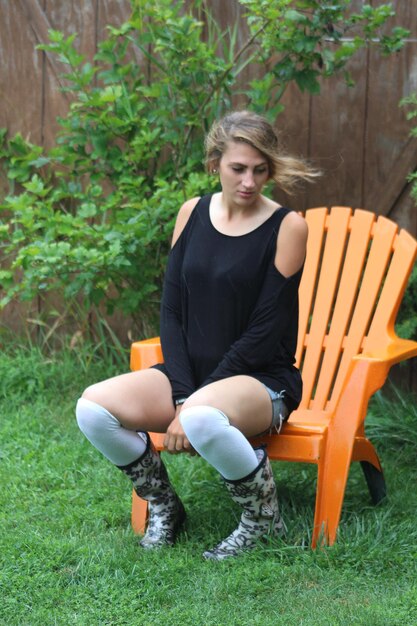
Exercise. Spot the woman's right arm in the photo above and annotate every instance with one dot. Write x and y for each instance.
(174, 347)
(182, 218)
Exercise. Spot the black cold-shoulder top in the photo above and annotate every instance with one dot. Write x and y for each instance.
(226, 310)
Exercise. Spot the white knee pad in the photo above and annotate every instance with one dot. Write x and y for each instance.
(120, 445)
(216, 440)
(203, 425)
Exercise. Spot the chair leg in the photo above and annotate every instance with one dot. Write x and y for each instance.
(139, 514)
(319, 535)
(375, 481)
(333, 471)
(365, 453)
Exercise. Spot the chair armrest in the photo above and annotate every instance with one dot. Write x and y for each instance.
(367, 374)
(144, 354)
(396, 350)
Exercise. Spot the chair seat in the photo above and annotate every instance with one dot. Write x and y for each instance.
(301, 438)
(306, 421)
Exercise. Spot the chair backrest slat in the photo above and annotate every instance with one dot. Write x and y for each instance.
(329, 269)
(316, 220)
(360, 228)
(404, 255)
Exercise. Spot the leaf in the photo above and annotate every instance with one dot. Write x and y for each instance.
(110, 93)
(36, 186)
(307, 81)
(87, 209)
(40, 162)
(295, 16)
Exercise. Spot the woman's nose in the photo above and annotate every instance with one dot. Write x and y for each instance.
(248, 180)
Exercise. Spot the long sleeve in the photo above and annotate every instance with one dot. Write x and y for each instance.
(174, 347)
(274, 311)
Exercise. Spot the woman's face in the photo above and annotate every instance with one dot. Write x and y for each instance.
(243, 173)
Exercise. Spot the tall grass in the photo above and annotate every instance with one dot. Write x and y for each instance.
(68, 556)
(393, 419)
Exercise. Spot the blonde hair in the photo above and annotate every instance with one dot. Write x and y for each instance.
(287, 171)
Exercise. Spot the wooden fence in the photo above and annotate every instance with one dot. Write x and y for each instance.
(358, 136)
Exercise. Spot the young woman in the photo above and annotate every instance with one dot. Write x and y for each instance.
(229, 318)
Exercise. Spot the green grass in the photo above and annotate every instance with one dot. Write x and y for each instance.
(68, 556)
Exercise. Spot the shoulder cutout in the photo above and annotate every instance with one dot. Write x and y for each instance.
(291, 244)
(183, 217)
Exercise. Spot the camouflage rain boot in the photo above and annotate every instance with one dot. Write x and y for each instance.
(257, 495)
(151, 483)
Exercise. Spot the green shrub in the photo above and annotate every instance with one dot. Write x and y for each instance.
(92, 217)
(411, 103)
(406, 325)
(407, 317)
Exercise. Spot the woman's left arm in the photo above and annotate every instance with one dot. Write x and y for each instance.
(275, 307)
(291, 244)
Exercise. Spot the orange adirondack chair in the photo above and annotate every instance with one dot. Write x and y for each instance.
(355, 275)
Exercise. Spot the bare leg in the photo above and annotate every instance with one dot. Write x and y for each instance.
(140, 400)
(243, 399)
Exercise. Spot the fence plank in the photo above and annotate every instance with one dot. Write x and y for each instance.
(336, 138)
(391, 155)
(111, 12)
(40, 24)
(21, 75)
(69, 16)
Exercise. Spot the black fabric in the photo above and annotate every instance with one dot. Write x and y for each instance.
(226, 309)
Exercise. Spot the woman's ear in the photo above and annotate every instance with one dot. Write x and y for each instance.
(213, 166)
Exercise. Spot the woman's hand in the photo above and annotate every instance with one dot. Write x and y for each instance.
(175, 439)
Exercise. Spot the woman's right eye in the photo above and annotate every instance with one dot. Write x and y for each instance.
(237, 169)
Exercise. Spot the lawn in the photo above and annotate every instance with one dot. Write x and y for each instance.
(69, 557)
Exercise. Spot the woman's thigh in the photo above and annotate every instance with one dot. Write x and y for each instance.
(140, 400)
(243, 399)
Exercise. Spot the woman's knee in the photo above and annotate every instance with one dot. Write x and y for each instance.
(106, 433)
(87, 415)
(203, 423)
(193, 419)
(92, 418)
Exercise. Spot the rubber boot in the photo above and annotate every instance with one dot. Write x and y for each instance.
(257, 495)
(151, 483)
